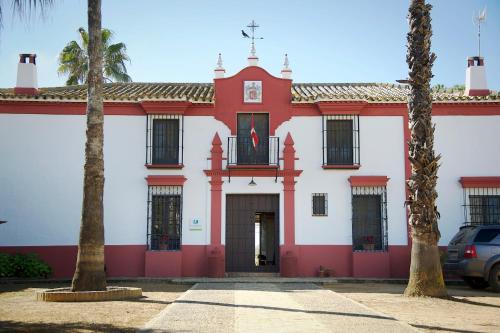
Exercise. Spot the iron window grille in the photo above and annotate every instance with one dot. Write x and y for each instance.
(341, 140)
(164, 139)
(320, 204)
(369, 218)
(164, 218)
(481, 206)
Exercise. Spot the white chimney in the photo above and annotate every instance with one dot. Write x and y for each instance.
(286, 72)
(219, 70)
(475, 77)
(253, 60)
(27, 82)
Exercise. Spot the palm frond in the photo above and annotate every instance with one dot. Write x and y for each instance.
(25, 8)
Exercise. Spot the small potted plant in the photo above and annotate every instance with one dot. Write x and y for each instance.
(164, 242)
(325, 272)
(368, 243)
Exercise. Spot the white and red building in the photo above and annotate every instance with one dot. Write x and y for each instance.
(189, 191)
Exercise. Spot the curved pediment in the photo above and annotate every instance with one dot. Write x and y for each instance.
(253, 90)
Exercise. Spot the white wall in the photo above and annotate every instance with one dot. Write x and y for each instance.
(470, 146)
(41, 163)
(41, 179)
(125, 188)
(381, 154)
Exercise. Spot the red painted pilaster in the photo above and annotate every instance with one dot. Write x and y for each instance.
(289, 255)
(215, 252)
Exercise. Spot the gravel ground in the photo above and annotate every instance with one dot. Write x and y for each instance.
(20, 312)
(466, 310)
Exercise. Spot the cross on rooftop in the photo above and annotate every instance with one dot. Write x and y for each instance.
(253, 25)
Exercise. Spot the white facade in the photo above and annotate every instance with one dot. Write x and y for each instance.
(41, 176)
(42, 141)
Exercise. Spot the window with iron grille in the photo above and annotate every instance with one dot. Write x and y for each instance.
(341, 140)
(369, 218)
(481, 206)
(164, 139)
(320, 204)
(164, 230)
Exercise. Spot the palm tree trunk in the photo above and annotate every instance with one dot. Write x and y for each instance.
(90, 274)
(426, 277)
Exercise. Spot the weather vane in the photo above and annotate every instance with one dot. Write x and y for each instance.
(252, 27)
(478, 19)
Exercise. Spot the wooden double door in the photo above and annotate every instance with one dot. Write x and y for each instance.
(252, 233)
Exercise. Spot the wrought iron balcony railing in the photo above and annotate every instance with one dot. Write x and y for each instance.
(242, 152)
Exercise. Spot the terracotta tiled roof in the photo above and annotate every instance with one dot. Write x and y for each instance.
(373, 92)
(204, 93)
(194, 92)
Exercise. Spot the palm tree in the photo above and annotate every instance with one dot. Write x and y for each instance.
(73, 59)
(89, 273)
(23, 7)
(426, 277)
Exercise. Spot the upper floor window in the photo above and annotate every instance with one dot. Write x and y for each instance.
(341, 140)
(369, 218)
(482, 205)
(253, 145)
(164, 217)
(164, 146)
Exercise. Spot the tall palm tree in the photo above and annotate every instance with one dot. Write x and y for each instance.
(73, 59)
(89, 273)
(426, 277)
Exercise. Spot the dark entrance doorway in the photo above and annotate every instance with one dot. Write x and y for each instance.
(252, 233)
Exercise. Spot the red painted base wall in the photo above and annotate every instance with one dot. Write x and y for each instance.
(135, 261)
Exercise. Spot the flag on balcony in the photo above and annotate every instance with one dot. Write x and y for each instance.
(253, 135)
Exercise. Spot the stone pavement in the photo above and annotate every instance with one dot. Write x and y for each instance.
(269, 307)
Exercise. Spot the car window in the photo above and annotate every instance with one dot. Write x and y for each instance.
(462, 236)
(486, 235)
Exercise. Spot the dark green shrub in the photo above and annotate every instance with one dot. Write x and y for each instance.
(24, 266)
(7, 268)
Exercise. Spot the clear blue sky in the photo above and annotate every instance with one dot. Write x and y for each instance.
(327, 41)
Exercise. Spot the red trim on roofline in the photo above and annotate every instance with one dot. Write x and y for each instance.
(350, 107)
(468, 182)
(368, 180)
(155, 180)
(62, 107)
(68, 108)
(165, 107)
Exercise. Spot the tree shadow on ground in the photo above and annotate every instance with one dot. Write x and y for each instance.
(438, 328)
(398, 289)
(273, 308)
(468, 301)
(145, 299)
(22, 327)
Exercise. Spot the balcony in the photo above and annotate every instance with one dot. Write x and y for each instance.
(241, 152)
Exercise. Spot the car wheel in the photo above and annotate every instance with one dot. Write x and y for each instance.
(495, 278)
(475, 282)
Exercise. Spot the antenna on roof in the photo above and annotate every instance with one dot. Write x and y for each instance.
(478, 19)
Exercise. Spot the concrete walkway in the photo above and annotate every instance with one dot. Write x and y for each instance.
(269, 307)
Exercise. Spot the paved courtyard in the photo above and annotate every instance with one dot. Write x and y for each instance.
(269, 307)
